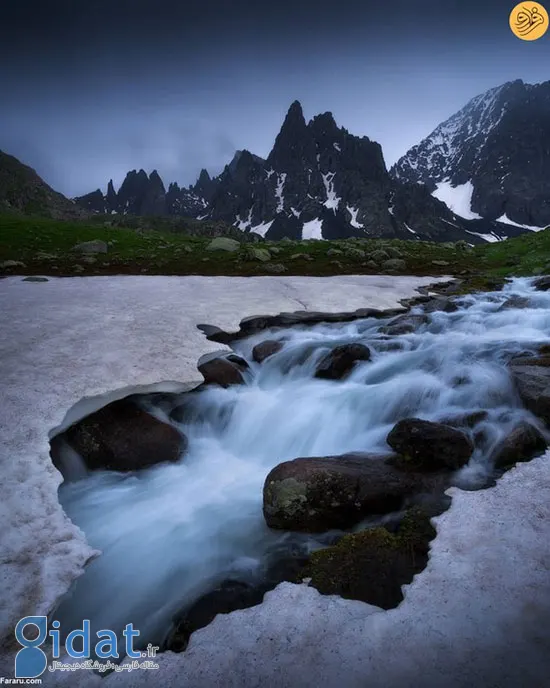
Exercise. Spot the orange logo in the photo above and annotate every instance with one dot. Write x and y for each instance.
(529, 21)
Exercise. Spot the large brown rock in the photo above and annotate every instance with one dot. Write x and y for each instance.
(533, 385)
(122, 437)
(523, 443)
(265, 349)
(319, 494)
(430, 446)
(223, 370)
(341, 360)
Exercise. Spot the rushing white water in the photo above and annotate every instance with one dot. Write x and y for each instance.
(168, 533)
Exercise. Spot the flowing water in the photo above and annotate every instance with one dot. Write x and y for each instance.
(170, 533)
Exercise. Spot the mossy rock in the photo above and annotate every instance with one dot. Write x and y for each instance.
(374, 564)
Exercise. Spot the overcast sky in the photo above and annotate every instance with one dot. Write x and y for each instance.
(93, 88)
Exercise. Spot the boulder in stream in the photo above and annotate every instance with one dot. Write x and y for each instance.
(523, 443)
(121, 437)
(265, 349)
(222, 369)
(430, 446)
(341, 360)
(320, 494)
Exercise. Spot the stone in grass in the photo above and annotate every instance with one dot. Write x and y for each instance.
(341, 360)
(430, 446)
(301, 256)
(95, 246)
(374, 564)
(440, 263)
(253, 253)
(7, 264)
(274, 268)
(121, 437)
(394, 264)
(224, 244)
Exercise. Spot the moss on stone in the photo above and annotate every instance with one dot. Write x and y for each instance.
(374, 564)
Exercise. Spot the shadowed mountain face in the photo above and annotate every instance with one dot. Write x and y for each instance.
(23, 191)
(320, 181)
(500, 144)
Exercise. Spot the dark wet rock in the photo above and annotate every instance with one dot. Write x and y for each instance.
(221, 370)
(533, 386)
(404, 324)
(231, 595)
(122, 437)
(374, 564)
(430, 446)
(542, 284)
(265, 349)
(466, 420)
(215, 334)
(319, 494)
(227, 597)
(515, 301)
(440, 304)
(523, 443)
(239, 361)
(341, 360)
(35, 279)
(527, 360)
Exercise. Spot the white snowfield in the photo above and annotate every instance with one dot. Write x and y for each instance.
(477, 616)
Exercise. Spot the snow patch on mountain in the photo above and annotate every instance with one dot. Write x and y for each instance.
(262, 228)
(457, 198)
(505, 220)
(279, 192)
(332, 201)
(353, 222)
(490, 238)
(312, 229)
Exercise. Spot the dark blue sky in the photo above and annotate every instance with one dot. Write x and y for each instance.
(91, 89)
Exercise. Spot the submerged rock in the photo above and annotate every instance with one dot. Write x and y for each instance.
(430, 446)
(265, 349)
(122, 437)
(523, 443)
(341, 360)
(225, 370)
(404, 324)
(374, 564)
(319, 494)
(542, 284)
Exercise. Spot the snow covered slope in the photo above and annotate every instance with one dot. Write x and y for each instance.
(498, 148)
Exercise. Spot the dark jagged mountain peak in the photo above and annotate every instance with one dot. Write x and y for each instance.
(320, 181)
(491, 159)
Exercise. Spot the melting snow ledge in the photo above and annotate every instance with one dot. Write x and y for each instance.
(477, 616)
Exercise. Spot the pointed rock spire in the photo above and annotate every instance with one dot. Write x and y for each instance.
(294, 146)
